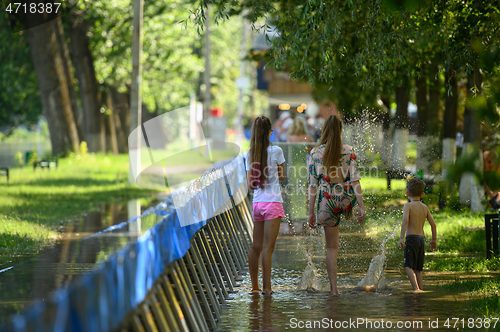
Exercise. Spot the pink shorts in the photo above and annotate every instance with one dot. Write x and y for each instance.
(267, 211)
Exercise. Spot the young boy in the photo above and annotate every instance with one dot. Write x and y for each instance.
(414, 214)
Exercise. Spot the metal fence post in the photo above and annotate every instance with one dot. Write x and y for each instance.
(191, 296)
(231, 252)
(201, 292)
(225, 250)
(212, 271)
(220, 256)
(171, 280)
(158, 315)
(234, 239)
(232, 229)
(171, 310)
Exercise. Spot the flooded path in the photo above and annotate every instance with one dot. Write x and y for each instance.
(354, 309)
(75, 253)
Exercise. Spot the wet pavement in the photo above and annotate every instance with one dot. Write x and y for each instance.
(77, 251)
(392, 309)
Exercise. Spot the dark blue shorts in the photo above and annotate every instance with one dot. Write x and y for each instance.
(414, 252)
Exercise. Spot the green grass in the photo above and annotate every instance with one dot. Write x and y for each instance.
(484, 295)
(460, 242)
(460, 232)
(36, 203)
(464, 264)
(411, 152)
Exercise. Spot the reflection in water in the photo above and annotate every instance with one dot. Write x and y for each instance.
(254, 312)
(262, 314)
(134, 209)
(75, 254)
(413, 305)
(290, 308)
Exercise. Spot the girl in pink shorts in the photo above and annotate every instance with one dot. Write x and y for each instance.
(265, 165)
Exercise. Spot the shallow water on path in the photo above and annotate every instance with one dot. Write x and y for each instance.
(392, 309)
(75, 253)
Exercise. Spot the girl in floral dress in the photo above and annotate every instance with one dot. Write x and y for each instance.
(333, 174)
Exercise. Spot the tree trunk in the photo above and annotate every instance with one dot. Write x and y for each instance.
(121, 111)
(70, 77)
(470, 191)
(49, 65)
(400, 138)
(386, 127)
(87, 82)
(434, 108)
(110, 122)
(422, 115)
(450, 122)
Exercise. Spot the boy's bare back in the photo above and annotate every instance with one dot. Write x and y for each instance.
(416, 213)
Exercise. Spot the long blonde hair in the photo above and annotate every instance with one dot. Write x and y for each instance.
(298, 127)
(331, 136)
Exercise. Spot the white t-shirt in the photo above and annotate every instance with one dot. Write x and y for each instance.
(271, 192)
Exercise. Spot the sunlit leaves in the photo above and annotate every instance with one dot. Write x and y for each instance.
(20, 102)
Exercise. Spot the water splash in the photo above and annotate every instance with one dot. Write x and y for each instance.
(309, 280)
(375, 278)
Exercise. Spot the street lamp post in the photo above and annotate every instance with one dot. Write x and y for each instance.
(135, 93)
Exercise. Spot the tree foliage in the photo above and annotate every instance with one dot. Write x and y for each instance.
(368, 47)
(20, 102)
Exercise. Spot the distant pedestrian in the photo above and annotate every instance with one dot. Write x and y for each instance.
(282, 126)
(297, 133)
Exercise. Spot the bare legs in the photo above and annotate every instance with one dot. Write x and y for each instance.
(253, 257)
(264, 239)
(418, 274)
(332, 248)
(415, 278)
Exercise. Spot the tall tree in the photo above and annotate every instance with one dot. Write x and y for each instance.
(470, 192)
(398, 156)
(68, 72)
(422, 116)
(450, 121)
(49, 61)
(93, 125)
(435, 104)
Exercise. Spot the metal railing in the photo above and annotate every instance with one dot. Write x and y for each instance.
(190, 293)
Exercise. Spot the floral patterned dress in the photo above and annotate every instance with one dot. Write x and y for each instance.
(335, 199)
